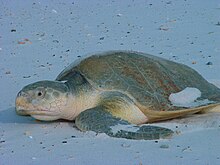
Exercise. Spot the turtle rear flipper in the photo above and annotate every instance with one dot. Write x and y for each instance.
(100, 120)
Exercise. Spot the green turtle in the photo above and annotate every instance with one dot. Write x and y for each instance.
(116, 93)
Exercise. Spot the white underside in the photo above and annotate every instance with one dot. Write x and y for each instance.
(45, 118)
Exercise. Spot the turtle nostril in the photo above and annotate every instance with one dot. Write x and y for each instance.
(21, 94)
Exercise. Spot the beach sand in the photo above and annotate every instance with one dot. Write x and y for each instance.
(40, 38)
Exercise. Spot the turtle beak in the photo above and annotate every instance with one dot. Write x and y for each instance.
(21, 103)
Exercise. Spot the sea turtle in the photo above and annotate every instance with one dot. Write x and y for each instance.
(115, 92)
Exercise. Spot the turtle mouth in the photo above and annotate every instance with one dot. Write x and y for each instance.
(22, 111)
(24, 108)
(42, 115)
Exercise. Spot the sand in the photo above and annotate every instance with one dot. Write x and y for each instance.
(40, 38)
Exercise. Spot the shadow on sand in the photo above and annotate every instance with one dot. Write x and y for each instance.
(9, 116)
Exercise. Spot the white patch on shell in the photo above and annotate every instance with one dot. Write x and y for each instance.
(119, 127)
(188, 98)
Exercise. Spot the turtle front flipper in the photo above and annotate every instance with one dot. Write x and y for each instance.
(100, 120)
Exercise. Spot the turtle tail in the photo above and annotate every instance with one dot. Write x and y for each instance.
(101, 121)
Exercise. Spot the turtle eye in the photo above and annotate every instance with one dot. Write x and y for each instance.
(40, 93)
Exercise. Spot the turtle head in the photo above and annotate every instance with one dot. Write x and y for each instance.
(43, 100)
